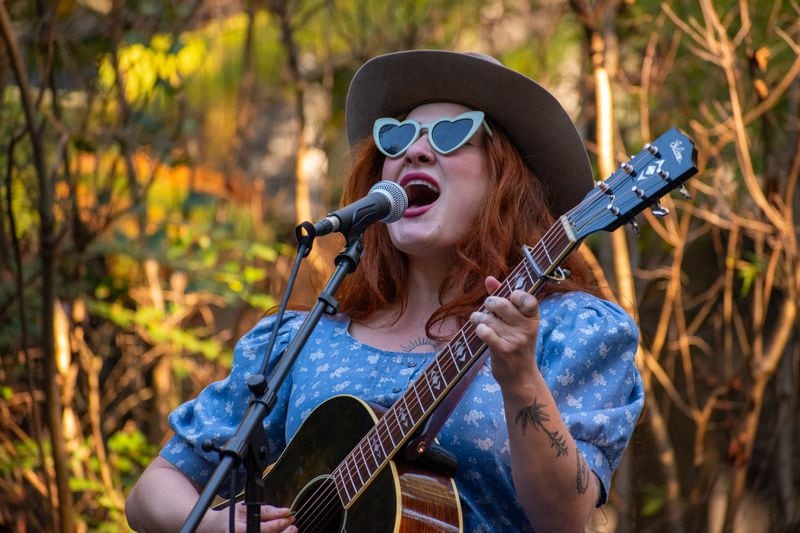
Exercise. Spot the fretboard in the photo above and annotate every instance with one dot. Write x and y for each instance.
(410, 411)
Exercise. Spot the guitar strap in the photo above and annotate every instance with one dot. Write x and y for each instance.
(419, 443)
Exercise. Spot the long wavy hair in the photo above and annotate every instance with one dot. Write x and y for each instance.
(515, 212)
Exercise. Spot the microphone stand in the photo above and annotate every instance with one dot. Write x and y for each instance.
(248, 445)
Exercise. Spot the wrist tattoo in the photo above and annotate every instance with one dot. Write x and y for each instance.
(536, 416)
(424, 342)
(582, 481)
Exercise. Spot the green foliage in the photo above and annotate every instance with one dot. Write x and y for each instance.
(21, 455)
(164, 63)
(130, 451)
(150, 322)
(653, 502)
(749, 271)
(24, 192)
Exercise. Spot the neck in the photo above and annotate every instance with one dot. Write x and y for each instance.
(423, 283)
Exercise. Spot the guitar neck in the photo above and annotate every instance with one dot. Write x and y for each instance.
(660, 167)
(410, 411)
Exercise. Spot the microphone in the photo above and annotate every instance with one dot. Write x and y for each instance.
(385, 202)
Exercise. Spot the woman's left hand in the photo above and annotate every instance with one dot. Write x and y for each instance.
(509, 329)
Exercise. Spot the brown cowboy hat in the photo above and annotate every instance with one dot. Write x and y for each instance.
(544, 134)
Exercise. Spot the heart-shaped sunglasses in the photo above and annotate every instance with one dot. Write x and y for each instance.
(445, 135)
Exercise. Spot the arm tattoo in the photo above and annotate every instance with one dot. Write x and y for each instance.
(582, 480)
(535, 416)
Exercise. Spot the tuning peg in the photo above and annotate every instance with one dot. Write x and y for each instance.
(603, 186)
(628, 168)
(659, 210)
(652, 148)
(684, 192)
(634, 227)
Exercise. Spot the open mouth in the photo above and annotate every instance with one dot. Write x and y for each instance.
(421, 192)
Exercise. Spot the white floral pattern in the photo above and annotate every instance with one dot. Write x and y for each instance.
(585, 352)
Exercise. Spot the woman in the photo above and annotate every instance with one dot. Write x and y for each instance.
(489, 160)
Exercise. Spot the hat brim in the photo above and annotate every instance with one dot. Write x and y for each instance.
(535, 121)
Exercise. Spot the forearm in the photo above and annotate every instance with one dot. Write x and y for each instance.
(554, 485)
(161, 500)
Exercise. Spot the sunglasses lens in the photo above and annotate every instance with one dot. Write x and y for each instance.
(395, 138)
(449, 135)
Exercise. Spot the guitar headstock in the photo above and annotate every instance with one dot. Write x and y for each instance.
(660, 167)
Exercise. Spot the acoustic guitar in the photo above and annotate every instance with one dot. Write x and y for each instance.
(342, 471)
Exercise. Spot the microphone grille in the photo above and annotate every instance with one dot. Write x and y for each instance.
(397, 197)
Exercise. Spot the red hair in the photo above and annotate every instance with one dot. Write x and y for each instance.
(516, 212)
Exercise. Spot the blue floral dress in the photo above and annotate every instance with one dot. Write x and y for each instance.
(585, 351)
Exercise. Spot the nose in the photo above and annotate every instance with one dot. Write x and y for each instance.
(420, 151)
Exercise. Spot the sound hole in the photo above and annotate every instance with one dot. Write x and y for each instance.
(318, 509)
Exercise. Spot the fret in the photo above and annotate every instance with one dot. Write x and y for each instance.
(402, 414)
(376, 447)
(413, 387)
(360, 449)
(517, 280)
(544, 248)
(384, 424)
(428, 383)
(436, 381)
(373, 453)
(451, 358)
(474, 344)
(444, 372)
(461, 348)
(556, 236)
(353, 485)
(341, 488)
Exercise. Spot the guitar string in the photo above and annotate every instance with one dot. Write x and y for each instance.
(328, 490)
(502, 289)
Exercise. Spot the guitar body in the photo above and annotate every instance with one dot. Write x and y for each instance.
(401, 498)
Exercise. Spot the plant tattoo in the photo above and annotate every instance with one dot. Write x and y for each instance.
(535, 416)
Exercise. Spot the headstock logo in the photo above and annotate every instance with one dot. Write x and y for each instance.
(677, 150)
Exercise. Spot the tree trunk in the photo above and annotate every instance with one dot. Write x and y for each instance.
(46, 255)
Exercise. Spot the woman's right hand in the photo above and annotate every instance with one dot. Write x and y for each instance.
(273, 520)
(163, 497)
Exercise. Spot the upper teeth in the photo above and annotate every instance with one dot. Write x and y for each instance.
(422, 182)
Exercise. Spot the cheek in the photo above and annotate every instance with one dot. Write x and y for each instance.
(475, 184)
(391, 169)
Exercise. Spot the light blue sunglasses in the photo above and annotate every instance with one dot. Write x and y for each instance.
(445, 135)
